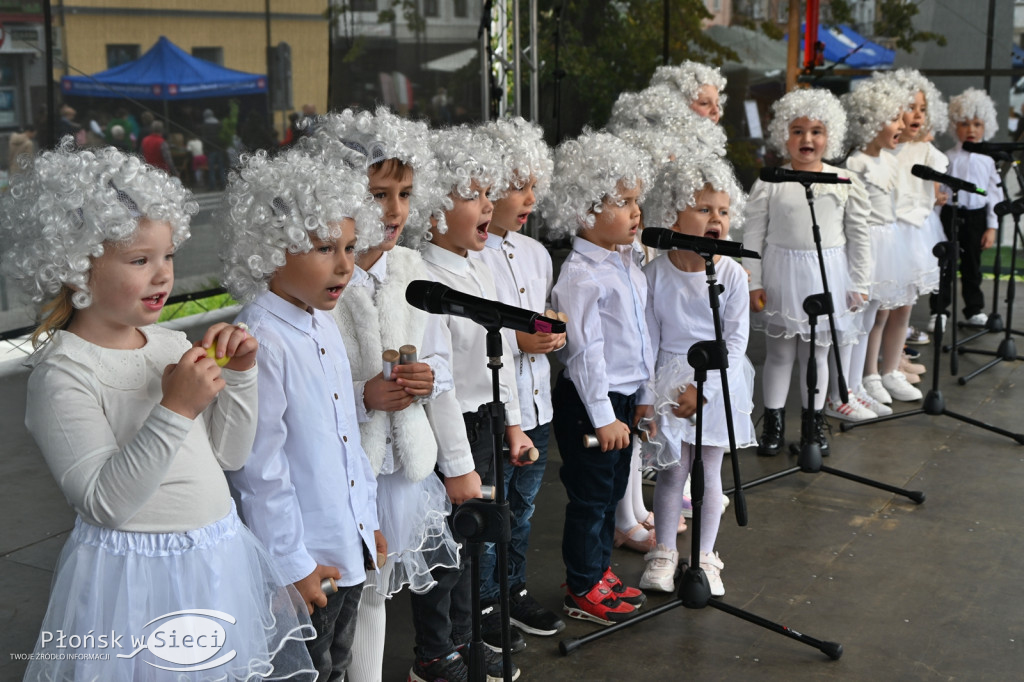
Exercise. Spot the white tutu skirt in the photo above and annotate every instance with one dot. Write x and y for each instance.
(892, 282)
(203, 605)
(917, 243)
(413, 517)
(672, 373)
(789, 276)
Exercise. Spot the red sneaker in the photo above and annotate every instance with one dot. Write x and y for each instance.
(630, 595)
(600, 605)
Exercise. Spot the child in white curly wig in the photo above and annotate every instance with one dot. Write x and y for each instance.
(373, 316)
(808, 126)
(599, 182)
(699, 197)
(137, 425)
(972, 113)
(307, 490)
(522, 272)
(470, 165)
(876, 123)
(702, 87)
(916, 199)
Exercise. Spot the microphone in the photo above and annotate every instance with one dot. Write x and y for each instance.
(665, 239)
(993, 148)
(955, 184)
(434, 297)
(788, 175)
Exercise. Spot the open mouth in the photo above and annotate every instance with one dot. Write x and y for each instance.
(155, 302)
(481, 230)
(335, 292)
(713, 232)
(523, 217)
(390, 232)
(806, 150)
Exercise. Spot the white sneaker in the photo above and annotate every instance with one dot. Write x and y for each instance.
(660, 573)
(869, 402)
(872, 385)
(977, 320)
(712, 566)
(931, 323)
(852, 410)
(725, 502)
(896, 384)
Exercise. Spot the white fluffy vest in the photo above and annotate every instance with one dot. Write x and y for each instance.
(369, 328)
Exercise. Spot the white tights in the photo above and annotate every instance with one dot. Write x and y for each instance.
(668, 497)
(778, 368)
(368, 646)
(631, 509)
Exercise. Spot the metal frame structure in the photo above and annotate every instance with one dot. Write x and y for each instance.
(503, 59)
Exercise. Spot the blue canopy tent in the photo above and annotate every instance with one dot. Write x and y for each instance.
(167, 73)
(846, 46)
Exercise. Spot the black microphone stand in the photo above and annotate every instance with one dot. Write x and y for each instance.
(694, 591)
(934, 402)
(482, 521)
(809, 459)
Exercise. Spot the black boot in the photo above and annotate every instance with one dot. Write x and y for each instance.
(820, 427)
(773, 433)
(813, 429)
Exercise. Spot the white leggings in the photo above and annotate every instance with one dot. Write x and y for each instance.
(668, 497)
(778, 368)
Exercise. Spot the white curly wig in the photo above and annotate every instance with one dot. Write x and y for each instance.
(588, 170)
(913, 82)
(677, 138)
(525, 154)
(869, 107)
(649, 107)
(274, 204)
(815, 105)
(58, 215)
(688, 77)
(677, 184)
(466, 154)
(366, 138)
(974, 103)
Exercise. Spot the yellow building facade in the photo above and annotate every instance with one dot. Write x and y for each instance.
(231, 32)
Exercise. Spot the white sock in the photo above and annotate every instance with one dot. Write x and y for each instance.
(368, 645)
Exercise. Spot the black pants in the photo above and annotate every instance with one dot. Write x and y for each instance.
(443, 617)
(969, 234)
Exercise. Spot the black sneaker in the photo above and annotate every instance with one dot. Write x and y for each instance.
(492, 662)
(490, 630)
(450, 668)
(527, 614)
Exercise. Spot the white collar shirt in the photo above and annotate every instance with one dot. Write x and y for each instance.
(980, 170)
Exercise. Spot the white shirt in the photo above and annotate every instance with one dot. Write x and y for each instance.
(980, 170)
(307, 491)
(522, 272)
(778, 214)
(462, 343)
(915, 197)
(607, 345)
(123, 460)
(879, 175)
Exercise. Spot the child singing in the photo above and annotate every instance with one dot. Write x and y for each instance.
(809, 126)
(137, 425)
(699, 197)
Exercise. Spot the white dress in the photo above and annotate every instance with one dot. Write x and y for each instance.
(916, 217)
(679, 315)
(157, 547)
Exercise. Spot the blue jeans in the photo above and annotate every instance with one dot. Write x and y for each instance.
(595, 481)
(521, 487)
(335, 626)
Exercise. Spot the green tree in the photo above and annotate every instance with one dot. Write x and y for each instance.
(895, 20)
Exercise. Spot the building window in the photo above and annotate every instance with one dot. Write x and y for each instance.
(121, 54)
(210, 54)
(364, 5)
(461, 10)
(431, 8)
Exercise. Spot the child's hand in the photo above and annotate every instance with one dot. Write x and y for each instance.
(233, 343)
(758, 300)
(940, 197)
(381, 544)
(191, 385)
(388, 396)
(614, 436)
(988, 238)
(309, 587)
(646, 413)
(687, 403)
(518, 444)
(540, 343)
(462, 488)
(855, 300)
(417, 378)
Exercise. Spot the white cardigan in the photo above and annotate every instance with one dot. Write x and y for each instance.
(369, 329)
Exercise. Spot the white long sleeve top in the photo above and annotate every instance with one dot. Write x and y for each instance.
(915, 197)
(879, 175)
(307, 490)
(777, 214)
(522, 272)
(607, 345)
(121, 459)
(980, 170)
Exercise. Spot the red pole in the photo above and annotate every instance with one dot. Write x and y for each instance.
(810, 34)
